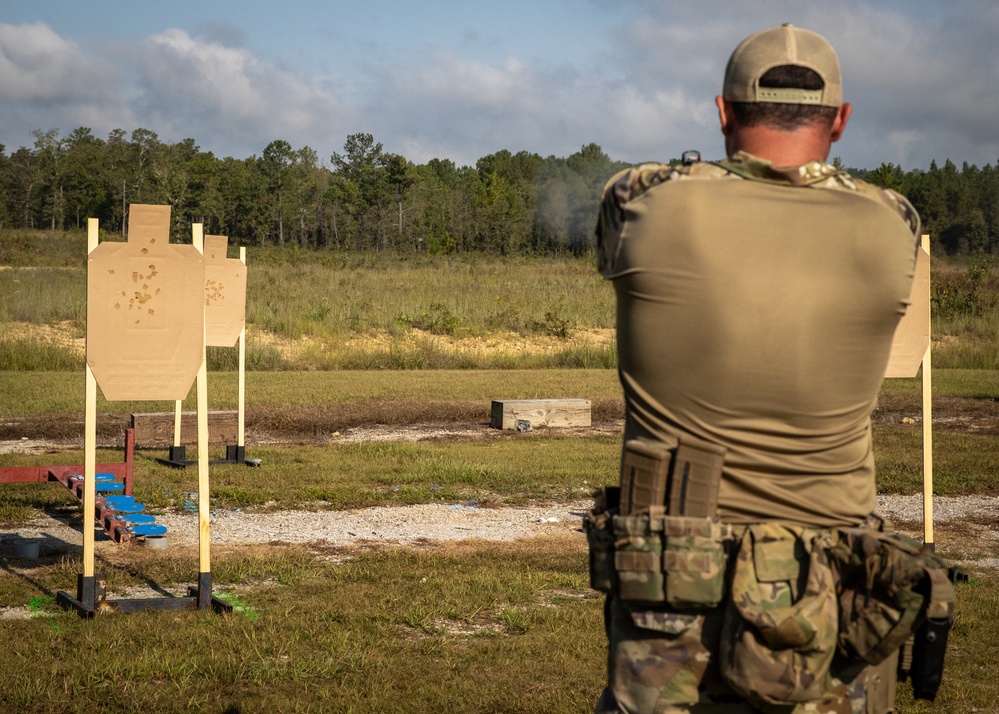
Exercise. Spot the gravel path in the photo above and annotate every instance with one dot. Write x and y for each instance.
(407, 524)
(946, 509)
(442, 522)
(386, 524)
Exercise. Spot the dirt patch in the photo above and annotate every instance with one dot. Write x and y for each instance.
(68, 334)
(64, 334)
(329, 532)
(977, 415)
(66, 436)
(503, 342)
(317, 424)
(418, 420)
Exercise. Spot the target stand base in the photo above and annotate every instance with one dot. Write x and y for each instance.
(92, 598)
(234, 454)
(177, 458)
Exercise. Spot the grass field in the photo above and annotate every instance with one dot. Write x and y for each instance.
(462, 627)
(341, 342)
(483, 627)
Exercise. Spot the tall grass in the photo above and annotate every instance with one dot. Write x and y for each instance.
(32, 355)
(965, 309)
(44, 296)
(420, 306)
(427, 353)
(468, 296)
(38, 248)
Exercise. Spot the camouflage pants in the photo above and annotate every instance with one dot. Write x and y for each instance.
(665, 662)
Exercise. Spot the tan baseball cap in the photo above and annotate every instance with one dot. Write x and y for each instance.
(778, 46)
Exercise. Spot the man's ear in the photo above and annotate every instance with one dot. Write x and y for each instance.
(724, 115)
(839, 124)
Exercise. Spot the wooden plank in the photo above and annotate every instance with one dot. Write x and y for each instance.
(89, 435)
(927, 385)
(156, 429)
(242, 370)
(177, 411)
(540, 412)
(204, 517)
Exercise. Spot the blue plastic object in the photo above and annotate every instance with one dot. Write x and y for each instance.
(124, 504)
(138, 518)
(104, 476)
(149, 529)
(129, 507)
(109, 486)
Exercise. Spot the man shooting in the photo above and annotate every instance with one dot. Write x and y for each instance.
(757, 298)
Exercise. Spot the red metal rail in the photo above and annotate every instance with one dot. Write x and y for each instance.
(72, 478)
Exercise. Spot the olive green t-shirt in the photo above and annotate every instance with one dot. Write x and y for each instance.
(755, 309)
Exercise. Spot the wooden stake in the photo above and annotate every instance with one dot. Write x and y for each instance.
(242, 369)
(204, 513)
(89, 442)
(178, 408)
(927, 431)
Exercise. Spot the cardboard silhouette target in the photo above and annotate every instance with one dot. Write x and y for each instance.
(145, 311)
(910, 350)
(145, 303)
(225, 294)
(912, 336)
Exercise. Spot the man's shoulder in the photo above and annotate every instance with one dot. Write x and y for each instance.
(892, 199)
(823, 176)
(631, 183)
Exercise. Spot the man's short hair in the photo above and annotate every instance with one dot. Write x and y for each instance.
(786, 117)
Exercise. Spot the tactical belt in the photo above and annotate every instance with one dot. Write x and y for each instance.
(657, 541)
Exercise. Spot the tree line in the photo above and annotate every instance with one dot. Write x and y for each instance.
(959, 208)
(368, 199)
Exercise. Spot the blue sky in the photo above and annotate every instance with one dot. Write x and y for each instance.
(460, 80)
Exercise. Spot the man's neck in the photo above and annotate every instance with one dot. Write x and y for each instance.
(782, 148)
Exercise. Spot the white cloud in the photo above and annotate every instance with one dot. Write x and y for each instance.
(921, 78)
(47, 81)
(451, 78)
(928, 79)
(194, 87)
(911, 69)
(646, 122)
(448, 106)
(468, 108)
(37, 65)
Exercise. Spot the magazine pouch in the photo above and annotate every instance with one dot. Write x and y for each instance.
(662, 559)
(694, 560)
(638, 558)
